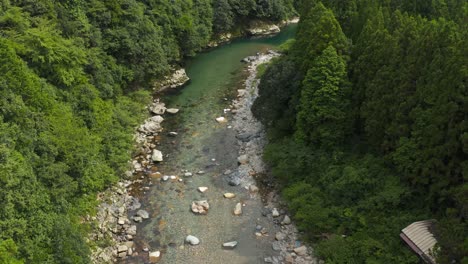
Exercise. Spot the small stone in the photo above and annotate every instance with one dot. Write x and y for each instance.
(221, 119)
(165, 178)
(137, 219)
(122, 248)
(192, 240)
(280, 236)
(234, 181)
(122, 254)
(230, 245)
(301, 251)
(172, 110)
(258, 227)
(188, 174)
(253, 189)
(275, 212)
(154, 256)
(268, 260)
(130, 244)
(173, 134)
(201, 172)
(173, 177)
(200, 207)
(157, 156)
(243, 159)
(181, 180)
(238, 209)
(202, 189)
(143, 214)
(121, 221)
(276, 246)
(229, 195)
(132, 230)
(286, 220)
(289, 259)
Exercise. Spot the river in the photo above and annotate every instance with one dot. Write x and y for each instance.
(204, 145)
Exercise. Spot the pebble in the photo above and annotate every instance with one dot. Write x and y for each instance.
(301, 251)
(253, 189)
(122, 248)
(276, 246)
(275, 212)
(280, 236)
(286, 220)
(221, 119)
(229, 195)
(154, 256)
(188, 174)
(230, 245)
(165, 178)
(202, 189)
(143, 214)
(238, 209)
(192, 240)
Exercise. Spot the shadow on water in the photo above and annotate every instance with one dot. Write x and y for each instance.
(203, 145)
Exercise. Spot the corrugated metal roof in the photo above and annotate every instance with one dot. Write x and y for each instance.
(420, 234)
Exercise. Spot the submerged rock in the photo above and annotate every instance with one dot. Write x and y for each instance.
(143, 214)
(200, 207)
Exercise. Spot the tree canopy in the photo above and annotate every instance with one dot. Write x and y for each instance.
(370, 131)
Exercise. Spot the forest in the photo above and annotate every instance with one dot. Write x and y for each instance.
(75, 77)
(366, 115)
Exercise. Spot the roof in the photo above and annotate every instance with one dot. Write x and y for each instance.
(419, 237)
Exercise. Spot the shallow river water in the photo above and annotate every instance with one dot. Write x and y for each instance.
(204, 145)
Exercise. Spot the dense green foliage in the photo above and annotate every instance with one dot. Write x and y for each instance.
(369, 137)
(71, 79)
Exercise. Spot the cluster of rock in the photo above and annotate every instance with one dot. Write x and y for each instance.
(114, 225)
(252, 140)
(256, 28)
(264, 30)
(176, 79)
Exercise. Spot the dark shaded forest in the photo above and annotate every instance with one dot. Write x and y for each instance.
(74, 81)
(367, 122)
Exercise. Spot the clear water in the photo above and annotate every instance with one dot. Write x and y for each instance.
(215, 77)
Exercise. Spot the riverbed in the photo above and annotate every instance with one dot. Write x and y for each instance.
(208, 150)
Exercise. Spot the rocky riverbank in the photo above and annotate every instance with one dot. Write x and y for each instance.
(114, 231)
(254, 29)
(251, 138)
